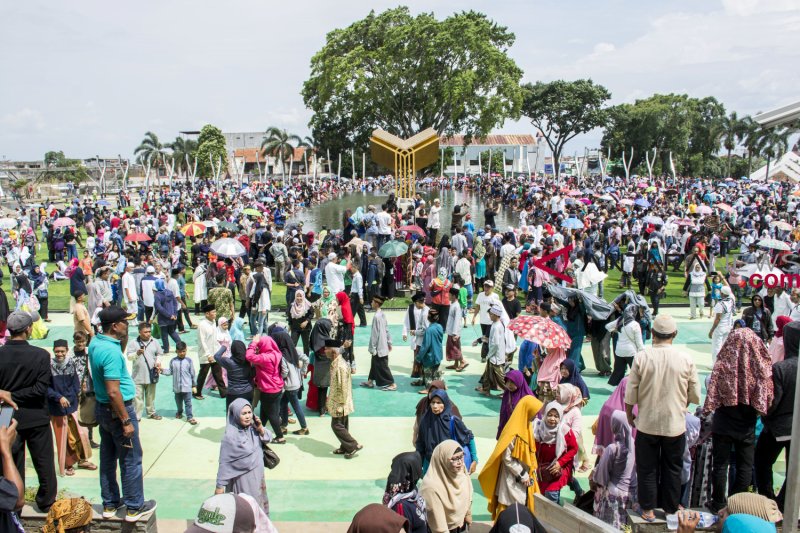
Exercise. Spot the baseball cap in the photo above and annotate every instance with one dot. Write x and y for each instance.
(664, 325)
(19, 320)
(488, 283)
(151, 269)
(496, 310)
(224, 513)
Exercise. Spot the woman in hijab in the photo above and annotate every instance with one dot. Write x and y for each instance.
(300, 314)
(77, 279)
(571, 375)
(402, 496)
(241, 463)
(320, 367)
(509, 475)
(347, 328)
(517, 519)
(265, 356)
(776, 348)
(758, 318)
(422, 406)
(723, 321)
(516, 388)
(439, 424)
(237, 330)
(479, 253)
(603, 436)
(238, 371)
(447, 490)
(224, 339)
(575, 324)
(614, 477)
(376, 518)
(294, 364)
(40, 284)
(629, 342)
(23, 287)
(740, 389)
(556, 448)
(571, 398)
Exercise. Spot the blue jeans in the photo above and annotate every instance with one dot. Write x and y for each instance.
(184, 399)
(115, 449)
(72, 252)
(290, 396)
(166, 333)
(553, 495)
(252, 318)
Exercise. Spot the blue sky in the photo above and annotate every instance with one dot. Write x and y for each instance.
(90, 77)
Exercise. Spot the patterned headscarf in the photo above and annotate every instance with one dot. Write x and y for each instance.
(68, 513)
(742, 373)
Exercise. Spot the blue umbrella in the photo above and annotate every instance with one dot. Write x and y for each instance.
(642, 202)
(103, 202)
(722, 184)
(610, 189)
(572, 223)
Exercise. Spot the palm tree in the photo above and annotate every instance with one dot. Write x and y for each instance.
(151, 150)
(278, 142)
(772, 144)
(751, 137)
(311, 144)
(180, 149)
(734, 131)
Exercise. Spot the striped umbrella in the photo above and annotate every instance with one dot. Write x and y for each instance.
(192, 229)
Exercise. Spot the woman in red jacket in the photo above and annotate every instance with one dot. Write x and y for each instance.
(556, 448)
(265, 355)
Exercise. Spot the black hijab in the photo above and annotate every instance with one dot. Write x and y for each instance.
(285, 344)
(791, 339)
(517, 515)
(435, 429)
(24, 283)
(239, 352)
(319, 334)
(404, 476)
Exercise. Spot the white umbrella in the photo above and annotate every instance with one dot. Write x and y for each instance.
(8, 223)
(228, 248)
(780, 224)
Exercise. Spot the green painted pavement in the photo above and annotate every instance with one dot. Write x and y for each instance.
(311, 484)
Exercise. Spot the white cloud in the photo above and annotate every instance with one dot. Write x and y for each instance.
(23, 121)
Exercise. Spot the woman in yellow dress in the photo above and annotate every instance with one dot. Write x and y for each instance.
(509, 476)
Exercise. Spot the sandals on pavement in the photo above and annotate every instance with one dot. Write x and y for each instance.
(86, 465)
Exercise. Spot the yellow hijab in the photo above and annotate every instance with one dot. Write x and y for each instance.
(519, 427)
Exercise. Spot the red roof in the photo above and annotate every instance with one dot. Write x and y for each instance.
(249, 154)
(490, 140)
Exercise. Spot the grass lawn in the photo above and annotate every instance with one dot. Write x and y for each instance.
(59, 290)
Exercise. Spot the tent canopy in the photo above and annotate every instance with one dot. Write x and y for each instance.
(787, 168)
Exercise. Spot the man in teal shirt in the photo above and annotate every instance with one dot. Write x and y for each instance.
(119, 430)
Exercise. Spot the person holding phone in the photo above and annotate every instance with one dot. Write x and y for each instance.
(25, 374)
(12, 488)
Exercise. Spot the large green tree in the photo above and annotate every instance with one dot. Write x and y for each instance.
(561, 110)
(210, 147)
(691, 129)
(734, 131)
(405, 73)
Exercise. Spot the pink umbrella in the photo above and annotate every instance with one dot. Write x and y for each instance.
(684, 222)
(626, 201)
(725, 207)
(542, 331)
(642, 185)
(585, 201)
(703, 210)
(63, 222)
(575, 193)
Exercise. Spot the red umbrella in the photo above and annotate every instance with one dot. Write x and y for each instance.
(137, 237)
(540, 330)
(412, 229)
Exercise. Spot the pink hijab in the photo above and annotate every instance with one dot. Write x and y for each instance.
(616, 402)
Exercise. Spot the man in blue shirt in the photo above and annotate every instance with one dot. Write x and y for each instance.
(116, 416)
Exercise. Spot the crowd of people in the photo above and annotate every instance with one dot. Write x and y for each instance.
(131, 302)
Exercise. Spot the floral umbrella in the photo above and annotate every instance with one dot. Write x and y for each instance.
(412, 229)
(540, 330)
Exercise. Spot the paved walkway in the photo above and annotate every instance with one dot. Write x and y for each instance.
(311, 484)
